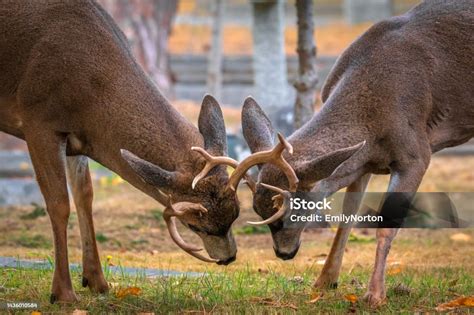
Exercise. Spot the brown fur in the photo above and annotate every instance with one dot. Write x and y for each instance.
(69, 85)
(406, 88)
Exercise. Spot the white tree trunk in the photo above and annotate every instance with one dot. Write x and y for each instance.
(269, 62)
(307, 73)
(358, 11)
(214, 70)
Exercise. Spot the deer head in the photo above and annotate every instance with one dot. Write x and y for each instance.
(206, 206)
(277, 183)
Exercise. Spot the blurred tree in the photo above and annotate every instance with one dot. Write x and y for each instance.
(358, 11)
(214, 70)
(307, 79)
(269, 62)
(147, 25)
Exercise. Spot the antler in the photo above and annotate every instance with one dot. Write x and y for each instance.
(213, 161)
(278, 202)
(273, 156)
(179, 209)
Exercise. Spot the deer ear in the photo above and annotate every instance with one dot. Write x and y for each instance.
(257, 128)
(211, 125)
(150, 173)
(323, 166)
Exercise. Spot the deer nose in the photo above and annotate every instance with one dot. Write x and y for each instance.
(226, 261)
(287, 256)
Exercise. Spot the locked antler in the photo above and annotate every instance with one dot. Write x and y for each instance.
(278, 203)
(273, 156)
(213, 161)
(177, 210)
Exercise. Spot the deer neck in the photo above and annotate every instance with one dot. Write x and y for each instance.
(325, 132)
(143, 122)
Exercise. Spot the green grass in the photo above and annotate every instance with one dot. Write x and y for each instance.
(157, 214)
(101, 238)
(243, 291)
(252, 229)
(37, 212)
(33, 241)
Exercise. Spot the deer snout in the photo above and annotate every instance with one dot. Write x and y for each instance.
(286, 255)
(222, 248)
(227, 261)
(286, 242)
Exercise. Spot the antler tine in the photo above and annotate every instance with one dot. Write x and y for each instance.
(179, 209)
(274, 188)
(281, 210)
(213, 161)
(273, 156)
(287, 145)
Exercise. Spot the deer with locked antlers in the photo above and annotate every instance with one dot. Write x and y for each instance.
(70, 87)
(401, 92)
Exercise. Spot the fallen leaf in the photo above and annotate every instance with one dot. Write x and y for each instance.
(321, 262)
(35, 313)
(351, 298)
(79, 312)
(394, 271)
(459, 302)
(460, 237)
(289, 305)
(395, 268)
(314, 298)
(123, 292)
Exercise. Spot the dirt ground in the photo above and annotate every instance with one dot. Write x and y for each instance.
(130, 223)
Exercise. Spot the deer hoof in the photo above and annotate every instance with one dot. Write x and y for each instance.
(85, 282)
(96, 284)
(325, 284)
(102, 288)
(69, 297)
(375, 299)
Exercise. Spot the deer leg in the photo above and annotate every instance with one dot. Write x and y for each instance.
(82, 191)
(407, 181)
(48, 154)
(330, 272)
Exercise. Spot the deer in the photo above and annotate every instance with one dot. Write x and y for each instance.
(71, 88)
(401, 92)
